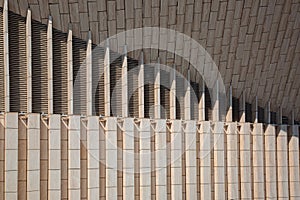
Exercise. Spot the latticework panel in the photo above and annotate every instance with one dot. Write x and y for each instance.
(133, 95)
(149, 91)
(116, 85)
(39, 68)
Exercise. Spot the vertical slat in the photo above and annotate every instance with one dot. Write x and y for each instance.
(294, 177)
(50, 66)
(219, 162)
(242, 108)
(160, 159)
(190, 159)
(232, 161)
(245, 161)
(141, 87)
(270, 162)
(6, 57)
(201, 111)
(125, 84)
(282, 163)
(258, 161)
(2, 155)
(93, 157)
(145, 158)
(176, 163)
(54, 159)
(111, 149)
(70, 70)
(29, 62)
(2, 66)
(157, 104)
(205, 161)
(11, 156)
(74, 157)
(216, 104)
(128, 158)
(187, 98)
(173, 94)
(89, 76)
(107, 80)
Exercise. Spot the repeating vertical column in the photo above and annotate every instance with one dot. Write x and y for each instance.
(205, 160)
(29, 62)
(145, 158)
(70, 70)
(232, 161)
(93, 157)
(190, 159)
(54, 160)
(282, 163)
(74, 157)
(141, 87)
(294, 177)
(160, 159)
(2, 156)
(245, 161)
(202, 103)
(219, 161)
(125, 84)
(176, 162)
(11, 156)
(187, 98)
(33, 156)
(258, 161)
(111, 149)
(173, 94)
(89, 75)
(107, 81)
(6, 56)
(128, 158)
(270, 162)
(50, 66)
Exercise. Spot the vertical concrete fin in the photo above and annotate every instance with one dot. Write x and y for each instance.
(176, 162)
(89, 76)
(125, 84)
(141, 87)
(70, 70)
(74, 157)
(205, 160)
(6, 56)
(157, 111)
(282, 163)
(50, 65)
(29, 62)
(11, 156)
(54, 157)
(187, 98)
(229, 112)
(107, 80)
(256, 110)
(145, 158)
(128, 159)
(270, 162)
(173, 94)
(93, 156)
(202, 102)
(294, 172)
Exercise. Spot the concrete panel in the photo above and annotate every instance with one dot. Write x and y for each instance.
(294, 176)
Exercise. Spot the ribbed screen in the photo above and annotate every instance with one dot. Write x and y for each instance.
(195, 92)
(165, 93)
(149, 91)
(133, 94)
(180, 92)
(98, 80)
(79, 75)
(2, 106)
(208, 105)
(17, 63)
(235, 109)
(60, 73)
(116, 85)
(39, 68)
